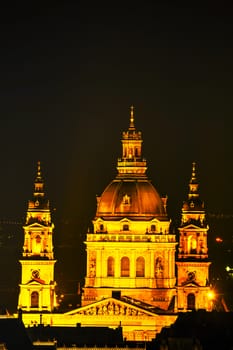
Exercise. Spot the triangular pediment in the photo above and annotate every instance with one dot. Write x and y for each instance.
(36, 281)
(124, 220)
(111, 307)
(191, 227)
(35, 225)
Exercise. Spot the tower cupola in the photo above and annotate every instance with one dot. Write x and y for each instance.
(131, 163)
(193, 207)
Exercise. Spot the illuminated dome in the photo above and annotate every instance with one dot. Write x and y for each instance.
(131, 194)
(130, 198)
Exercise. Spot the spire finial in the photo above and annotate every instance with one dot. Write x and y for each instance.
(131, 117)
(38, 169)
(193, 184)
(38, 172)
(38, 183)
(193, 170)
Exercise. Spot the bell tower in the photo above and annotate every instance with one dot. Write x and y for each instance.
(37, 288)
(194, 291)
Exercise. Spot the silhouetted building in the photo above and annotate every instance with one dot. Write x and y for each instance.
(199, 330)
(13, 334)
(79, 336)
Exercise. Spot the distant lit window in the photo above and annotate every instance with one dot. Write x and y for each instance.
(140, 267)
(110, 267)
(126, 227)
(125, 266)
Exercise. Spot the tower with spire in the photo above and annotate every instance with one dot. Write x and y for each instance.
(37, 287)
(193, 287)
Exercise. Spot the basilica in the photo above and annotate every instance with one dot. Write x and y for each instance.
(139, 275)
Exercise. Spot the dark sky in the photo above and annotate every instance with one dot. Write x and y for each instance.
(68, 76)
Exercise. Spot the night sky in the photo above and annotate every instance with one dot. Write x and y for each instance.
(69, 75)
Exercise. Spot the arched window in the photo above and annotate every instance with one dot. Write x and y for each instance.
(110, 266)
(140, 267)
(191, 301)
(125, 266)
(35, 299)
(37, 245)
(152, 228)
(38, 239)
(192, 245)
(101, 227)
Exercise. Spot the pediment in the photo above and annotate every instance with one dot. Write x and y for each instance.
(36, 282)
(35, 225)
(155, 221)
(111, 307)
(124, 220)
(191, 227)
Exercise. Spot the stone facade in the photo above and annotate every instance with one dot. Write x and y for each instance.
(131, 278)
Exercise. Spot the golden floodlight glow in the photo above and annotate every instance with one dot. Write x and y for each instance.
(211, 295)
(132, 269)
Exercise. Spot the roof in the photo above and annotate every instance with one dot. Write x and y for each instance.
(130, 198)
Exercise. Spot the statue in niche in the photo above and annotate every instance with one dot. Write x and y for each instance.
(92, 265)
(159, 267)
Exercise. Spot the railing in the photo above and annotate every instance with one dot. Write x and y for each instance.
(100, 348)
(162, 238)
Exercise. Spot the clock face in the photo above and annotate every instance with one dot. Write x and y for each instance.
(191, 276)
(35, 274)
